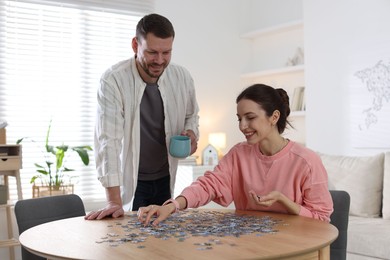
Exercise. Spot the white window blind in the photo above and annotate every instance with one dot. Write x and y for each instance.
(52, 54)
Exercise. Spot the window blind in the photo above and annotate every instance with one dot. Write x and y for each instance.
(52, 54)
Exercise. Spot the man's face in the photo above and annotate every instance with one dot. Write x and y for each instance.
(153, 56)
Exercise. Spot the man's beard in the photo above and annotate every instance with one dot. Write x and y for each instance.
(145, 67)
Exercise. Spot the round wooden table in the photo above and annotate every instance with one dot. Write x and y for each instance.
(75, 238)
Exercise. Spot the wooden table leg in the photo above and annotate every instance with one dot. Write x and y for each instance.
(324, 253)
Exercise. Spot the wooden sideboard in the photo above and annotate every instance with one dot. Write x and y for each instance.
(10, 164)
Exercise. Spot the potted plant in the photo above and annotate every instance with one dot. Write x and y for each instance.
(53, 174)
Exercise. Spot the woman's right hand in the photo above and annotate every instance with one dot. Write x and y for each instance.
(162, 212)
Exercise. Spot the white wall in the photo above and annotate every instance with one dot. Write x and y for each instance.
(341, 38)
(257, 14)
(206, 43)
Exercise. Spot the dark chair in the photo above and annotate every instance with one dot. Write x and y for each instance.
(340, 218)
(32, 212)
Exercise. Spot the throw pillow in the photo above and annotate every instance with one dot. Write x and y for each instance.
(361, 177)
(386, 188)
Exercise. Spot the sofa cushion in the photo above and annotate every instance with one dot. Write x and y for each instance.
(369, 237)
(386, 188)
(361, 177)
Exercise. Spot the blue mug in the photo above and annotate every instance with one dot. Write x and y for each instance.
(180, 146)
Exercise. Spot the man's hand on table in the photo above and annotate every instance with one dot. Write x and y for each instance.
(111, 210)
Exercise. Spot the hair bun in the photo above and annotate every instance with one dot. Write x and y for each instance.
(285, 100)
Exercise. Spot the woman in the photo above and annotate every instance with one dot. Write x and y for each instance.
(265, 173)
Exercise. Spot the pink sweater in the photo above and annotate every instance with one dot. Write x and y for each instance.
(295, 171)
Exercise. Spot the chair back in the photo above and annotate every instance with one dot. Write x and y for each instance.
(340, 218)
(33, 212)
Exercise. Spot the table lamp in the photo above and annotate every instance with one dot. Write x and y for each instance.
(218, 140)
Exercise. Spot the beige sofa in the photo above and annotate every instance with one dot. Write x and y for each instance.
(367, 180)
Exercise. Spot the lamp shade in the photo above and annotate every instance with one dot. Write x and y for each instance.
(218, 140)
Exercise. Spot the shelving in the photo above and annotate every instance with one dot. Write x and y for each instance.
(297, 113)
(292, 25)
(10, 164)
(270, 72)
(269, 53)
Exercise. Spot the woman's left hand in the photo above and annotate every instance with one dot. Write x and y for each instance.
(265, 200)
(273, 197)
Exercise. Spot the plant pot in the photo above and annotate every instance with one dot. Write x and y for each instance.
(45, 191)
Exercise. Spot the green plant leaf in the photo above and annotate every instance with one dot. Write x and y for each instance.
(48, 133)
(49, 164)
(83, 153)
(63, 148)
(44, 172)
(50, 149)
(33, 179)
(60, 154)
(39, 166)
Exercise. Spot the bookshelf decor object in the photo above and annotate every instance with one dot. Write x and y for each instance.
(210, 155)
(298, 99)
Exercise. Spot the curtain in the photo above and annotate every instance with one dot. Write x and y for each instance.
(52, 54)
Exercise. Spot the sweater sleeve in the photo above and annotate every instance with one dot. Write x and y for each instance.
(317, 201)
(212, 186)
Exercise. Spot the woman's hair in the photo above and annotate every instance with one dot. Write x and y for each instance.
(269, 99)
(155, 24)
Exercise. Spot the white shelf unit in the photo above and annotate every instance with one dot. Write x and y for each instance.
(186, 174)
(267, 51)
(274, 72)
(280, 28)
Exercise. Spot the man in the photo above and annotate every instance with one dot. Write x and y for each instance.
(142, 102)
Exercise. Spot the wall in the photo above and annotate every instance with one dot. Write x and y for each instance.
(257, 14)
(342, 38)
(206, 43)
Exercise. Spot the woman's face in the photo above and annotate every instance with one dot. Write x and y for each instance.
(253, 121)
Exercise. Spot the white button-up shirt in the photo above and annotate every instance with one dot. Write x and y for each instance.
(117, 132)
